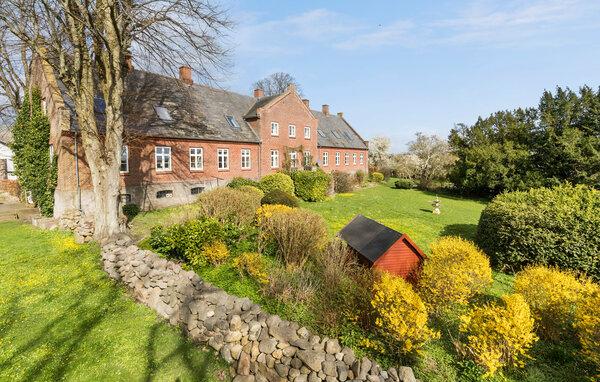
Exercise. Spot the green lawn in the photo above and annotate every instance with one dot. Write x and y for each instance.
(61, 317)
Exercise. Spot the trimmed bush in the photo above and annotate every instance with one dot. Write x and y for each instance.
(229, 205)
(546, 226)
(587, 323)
(552, 296)
(278, 181)
(310, 186)
(131, 211)
(404, 184)
(401, 314)
(254, 191)
(239, 182)
(455, 272)
(279, 197)
(342, 182)
(360, 177)
(377, 177)
(499, 335)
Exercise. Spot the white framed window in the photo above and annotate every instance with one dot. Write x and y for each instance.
(325, 158)
(196, 159)
(307, 158)
(307, 132)
(292, 131)
(347, 159)
(337, 158)
(124, 158)
(354, 158)
(274, 128)
(362, 158)
(293, 159)
(245, 158)
(162, 194)
(223, 159)
(162, 156)
(274, 158)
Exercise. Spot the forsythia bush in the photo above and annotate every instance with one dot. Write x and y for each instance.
(498, 335)
(216, 253)
(455, 271)
(552, 296)
(587, 323)
(401, 313)
(252, 264)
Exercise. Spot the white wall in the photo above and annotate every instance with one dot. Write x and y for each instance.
(6, 153)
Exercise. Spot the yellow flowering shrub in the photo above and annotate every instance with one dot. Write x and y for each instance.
(216, 253)
(499, 334)
(587, 324)
(252, 264)
(455, 271)
(552, 296)
(401, 313)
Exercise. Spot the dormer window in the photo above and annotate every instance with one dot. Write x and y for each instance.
(163, 113)
(232, 121)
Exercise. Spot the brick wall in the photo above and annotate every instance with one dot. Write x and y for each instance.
(3, 173)
(331, 151)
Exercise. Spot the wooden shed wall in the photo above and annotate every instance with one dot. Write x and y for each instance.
(400, 259)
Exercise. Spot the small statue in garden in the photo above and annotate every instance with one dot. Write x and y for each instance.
(436, 205)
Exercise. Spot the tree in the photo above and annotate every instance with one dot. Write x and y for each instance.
(277, 83)
(15, 60)
(433, 158)
(89, 44)
(379, 152)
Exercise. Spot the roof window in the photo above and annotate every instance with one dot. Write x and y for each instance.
(321, 133)
(335, 134)
(163, 113)
(232, 121)
(347, 135)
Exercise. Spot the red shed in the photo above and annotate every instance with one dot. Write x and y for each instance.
(382, 247)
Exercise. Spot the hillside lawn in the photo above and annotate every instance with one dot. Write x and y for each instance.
(62, 317)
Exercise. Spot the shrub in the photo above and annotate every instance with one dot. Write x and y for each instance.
(292, 285)
(252, 190)
(227, 204)
(252, 264)
(455, 271)
(405, 184)
(401, 314)
(547, 226)
(277, 181)
(335, 261)
(299, 234)
(279, 197)
(131, 211)
(360, 177)
(168, 241)
(239, 182)
(499, 334)
(377, 177)
(552, 296)
(587, 323)
(215, 253)
(310, 186)
(342, 182)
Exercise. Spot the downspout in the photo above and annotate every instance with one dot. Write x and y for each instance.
(259, 162)
(77, 176)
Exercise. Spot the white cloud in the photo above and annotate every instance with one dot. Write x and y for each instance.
(383, 36)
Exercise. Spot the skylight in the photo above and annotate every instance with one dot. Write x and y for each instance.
(163, 113)
(335, 134)
(232, 121)
(321, 133)
(347, 135)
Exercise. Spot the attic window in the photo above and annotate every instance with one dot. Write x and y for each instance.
(335, 134)
(347, 135)
(232, 121)
(163, 113)
(322, 134)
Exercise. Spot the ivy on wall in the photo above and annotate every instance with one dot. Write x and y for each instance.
(36, 171)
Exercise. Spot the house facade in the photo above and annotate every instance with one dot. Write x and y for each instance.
(7, 166)
(183, 138)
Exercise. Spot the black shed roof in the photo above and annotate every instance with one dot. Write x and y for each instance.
(368, 237)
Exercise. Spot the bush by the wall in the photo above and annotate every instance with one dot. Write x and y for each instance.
(587, 323)
(278, 181)
(342, 182)
(252, 264)
(455, 271)
(131, 210)
(404, 184)
(499, 335)
(229, 205)
(360, 177)
(279, 197)
(548, 226)
(377, 177)
(239, 182)
(255, 191)
(215, 253)
(310, 186)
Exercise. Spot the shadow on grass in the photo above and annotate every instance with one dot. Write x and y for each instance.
(467, 231)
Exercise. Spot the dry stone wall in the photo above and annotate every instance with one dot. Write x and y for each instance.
(259, 346)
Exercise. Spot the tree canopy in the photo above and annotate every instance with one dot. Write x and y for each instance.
(277, 83)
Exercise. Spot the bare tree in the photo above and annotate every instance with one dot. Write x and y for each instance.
(379, 152)
(433, 158)
(15, 58)
(277, 83)
(88, 43)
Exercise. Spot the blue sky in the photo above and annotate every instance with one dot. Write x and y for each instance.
(395, 68)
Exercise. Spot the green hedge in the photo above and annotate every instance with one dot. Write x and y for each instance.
(377, 177)
(280, 197)
(310, 186)
(239, 182)
(405, 184)
(278, 181)
(551, 226)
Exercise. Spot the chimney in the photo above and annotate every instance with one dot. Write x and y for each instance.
(259, 93)
(185, 74)
(326, 109)
(306, 103)
(291, 88)
(341, 115)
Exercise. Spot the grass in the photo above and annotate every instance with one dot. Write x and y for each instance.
(61, 317)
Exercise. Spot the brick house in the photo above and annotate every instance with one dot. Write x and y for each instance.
(7, 166)
(183, 138)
